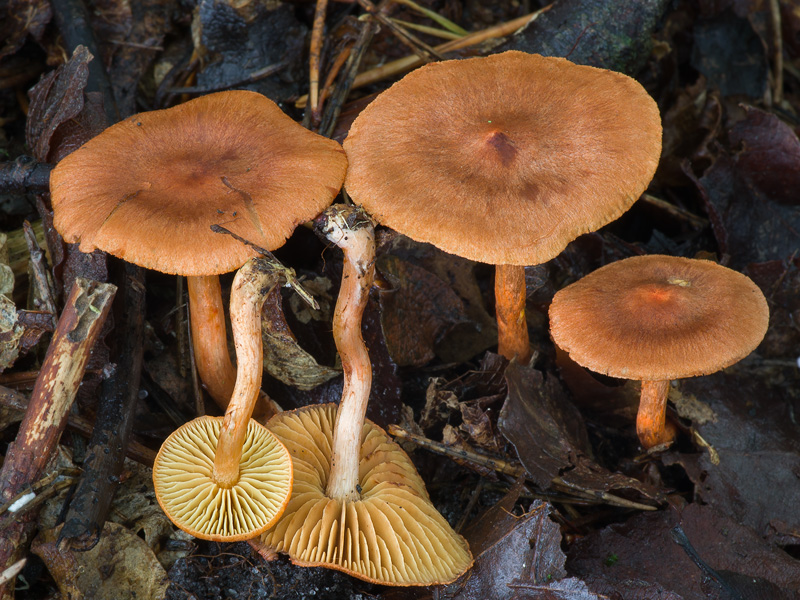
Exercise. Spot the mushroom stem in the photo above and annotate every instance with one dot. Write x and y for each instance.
(250, 289)
(651, 418)
(351, 230)
(512, 326)
(209, 337)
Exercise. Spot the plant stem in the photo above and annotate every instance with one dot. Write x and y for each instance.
(351, 230)
(512, 326)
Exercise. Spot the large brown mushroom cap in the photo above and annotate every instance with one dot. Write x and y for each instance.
(503, 159)
(393, 535)
(182, 476)
(148, 188)
(659, 317)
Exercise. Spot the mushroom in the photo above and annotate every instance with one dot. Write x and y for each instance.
(148, 189)
(657, 318)
(504, 159)
(228, 479)
(358, 504)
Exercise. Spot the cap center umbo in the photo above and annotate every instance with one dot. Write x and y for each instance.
(502, 147)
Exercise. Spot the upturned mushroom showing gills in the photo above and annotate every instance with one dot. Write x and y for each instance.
(657, 318)
(505, 160)
(358, 504)
(148, 189)
(228, 479)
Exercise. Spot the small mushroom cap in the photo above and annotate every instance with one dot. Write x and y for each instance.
(393, 535)
(148, 188)
(190, 498)
(659, 317)
(503, 159)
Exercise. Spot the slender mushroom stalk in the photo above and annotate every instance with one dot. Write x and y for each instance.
(512, 326)
(352, 230)
(209, 337)
(651, 424)
(250, 288)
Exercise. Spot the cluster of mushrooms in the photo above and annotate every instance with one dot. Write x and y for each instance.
(514, 155)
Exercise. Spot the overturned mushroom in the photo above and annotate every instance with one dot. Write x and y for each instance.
(358, 504)
(228, 479)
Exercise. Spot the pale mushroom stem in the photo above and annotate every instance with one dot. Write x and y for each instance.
(651, 418)
(250, 289)
(512, 326)
(351, 230)
(209, 337)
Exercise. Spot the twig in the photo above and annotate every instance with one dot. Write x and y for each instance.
(340, 60)
(436, 17)
(105, 456)
(510, 468)
(40, 282)
(777, 41)
(18, 402)
(420, 48)
(73, 22)
(24, 174)
(407, 63)
(251, 78)
(85, 311)
(676, 211)
(435, 31)
(287, 273)
(314, 54)
(334, 108)
(12, 571)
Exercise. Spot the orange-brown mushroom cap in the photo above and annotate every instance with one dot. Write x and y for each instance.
(503, 159)
(659, 317)
(148, 188)
(188, 495)
(392, 535)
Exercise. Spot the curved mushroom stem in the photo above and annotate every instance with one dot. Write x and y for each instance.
(512, 326)
(651, 418)
(250, 288)
(352, 230)
(209, 338)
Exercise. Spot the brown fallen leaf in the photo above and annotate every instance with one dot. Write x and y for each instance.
(284, 359)
(418, 310)
(120, 565)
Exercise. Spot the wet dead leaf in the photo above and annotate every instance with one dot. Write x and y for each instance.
(241, 38)
(130, 37)
(729, 52)
(521, 559)
(754, 215)
(755, 437)
(120, 565)
(768, 157)
(57, 101)
(780, 282)
(467, 338)
(543, 425)
(640, 560)
(417, 312)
